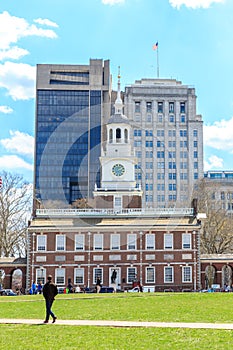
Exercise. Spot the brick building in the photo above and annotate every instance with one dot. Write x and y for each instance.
(216, 269)
(13, 273)
(157, 248)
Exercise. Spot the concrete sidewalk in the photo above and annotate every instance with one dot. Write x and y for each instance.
(121, 323)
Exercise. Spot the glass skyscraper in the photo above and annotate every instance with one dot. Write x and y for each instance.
(71, 101)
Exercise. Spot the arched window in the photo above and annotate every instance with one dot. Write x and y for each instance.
(226, 276)
(110, 136)
(209, 276)
(2, 276)
(126, 136)
(17, 279)
(118, 135)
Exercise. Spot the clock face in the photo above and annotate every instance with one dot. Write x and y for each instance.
(118, 169)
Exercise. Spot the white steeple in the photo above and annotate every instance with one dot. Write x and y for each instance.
(118, 103)
(118, 185)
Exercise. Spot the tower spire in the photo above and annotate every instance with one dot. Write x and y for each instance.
(118, 103)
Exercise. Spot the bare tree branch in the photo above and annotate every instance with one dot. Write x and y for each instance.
(217, 237)
(15, 209)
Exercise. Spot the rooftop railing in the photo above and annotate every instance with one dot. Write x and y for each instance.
(147, 212)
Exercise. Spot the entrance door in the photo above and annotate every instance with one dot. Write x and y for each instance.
(115, 277)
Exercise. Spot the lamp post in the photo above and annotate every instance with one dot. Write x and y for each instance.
(141, 234)
(195, 260)
(33, 254)
(89, 259)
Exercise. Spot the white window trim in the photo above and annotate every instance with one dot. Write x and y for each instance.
(183, 240)
(100, 235)
(117, 202)
(82, 240)
(166, 235)
(135, 274)
(75, 275)
(118, 237)
(172, 269)
(37, 243)
(147, 236)
(191, 274)
(94, 275)
(130, 241)
(44, 274)
(64, 237)
(64, 275)
(147, 268)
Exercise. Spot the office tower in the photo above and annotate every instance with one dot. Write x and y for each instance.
(219, 185)
(168, 140)
(71, 101)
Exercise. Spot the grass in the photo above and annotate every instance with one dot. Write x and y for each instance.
(163, 307)
(37, 337)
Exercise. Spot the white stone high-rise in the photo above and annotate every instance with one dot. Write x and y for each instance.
(168, 140)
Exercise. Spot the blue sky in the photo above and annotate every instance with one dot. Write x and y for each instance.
(195, 46)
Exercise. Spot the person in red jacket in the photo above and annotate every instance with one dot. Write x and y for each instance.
(49, 293)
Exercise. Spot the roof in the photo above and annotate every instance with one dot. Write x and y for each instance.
(56, 224)
(118, 118)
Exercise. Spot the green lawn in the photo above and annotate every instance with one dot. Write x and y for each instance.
(162, 307)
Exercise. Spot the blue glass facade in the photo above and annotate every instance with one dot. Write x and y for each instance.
(68, 143)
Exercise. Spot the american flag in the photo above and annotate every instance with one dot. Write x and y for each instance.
(155, 46)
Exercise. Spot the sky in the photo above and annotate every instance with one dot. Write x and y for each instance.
(195, 43)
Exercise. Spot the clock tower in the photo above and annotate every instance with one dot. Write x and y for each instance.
(118, 186)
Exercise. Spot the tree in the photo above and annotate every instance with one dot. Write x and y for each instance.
(84, 203)
(216, 236)
(53, 204)
(15, 210)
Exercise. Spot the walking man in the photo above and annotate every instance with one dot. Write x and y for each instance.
(49, 293)
(98, 285)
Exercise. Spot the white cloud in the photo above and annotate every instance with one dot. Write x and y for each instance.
(213, 162)
(6, 109)
(12, 29)
(18, 79)
(194, 3)
(19, 142)
(46, 22)
(113, 2)
(14, 53)
(14, 162)
(219, 135)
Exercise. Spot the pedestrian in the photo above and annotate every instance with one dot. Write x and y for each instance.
(98, 285)
(49, 292)
(70, 286)
(34, 287)
(39, 287)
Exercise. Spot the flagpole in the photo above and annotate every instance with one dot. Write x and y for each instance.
(156, 47)
(158, 62)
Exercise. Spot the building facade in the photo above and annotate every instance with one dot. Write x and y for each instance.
(73, 104)
(158, 249)
(220, 184)
(168, 140)
(71, 101)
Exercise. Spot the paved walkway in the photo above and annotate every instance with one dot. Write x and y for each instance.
(122, 323)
